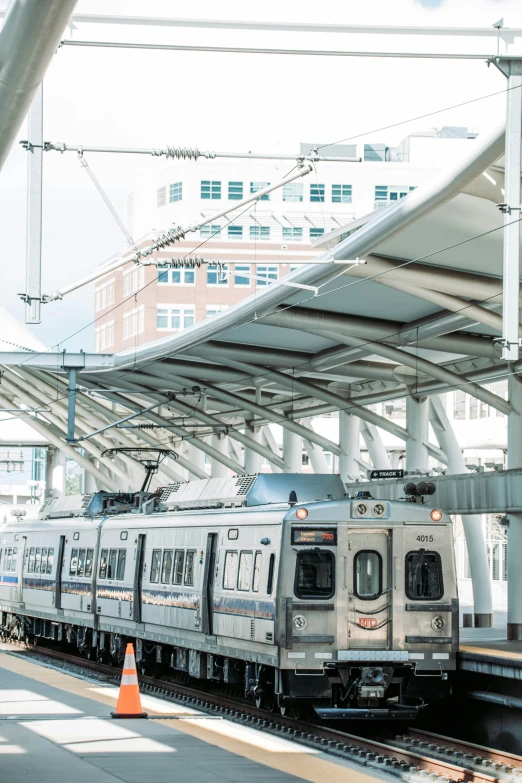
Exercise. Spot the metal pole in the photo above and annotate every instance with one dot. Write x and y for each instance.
(514, 531)
(104, 196)
(33, 253)
(512, 68)
(417, 424)
(71, 404)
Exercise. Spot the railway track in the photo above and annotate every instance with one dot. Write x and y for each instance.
(413, 756)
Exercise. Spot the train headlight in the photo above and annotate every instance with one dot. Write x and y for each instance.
(360, 509)
(299, 622)
(301, 513)
(436, 515)
(437, 623)
(379, 509)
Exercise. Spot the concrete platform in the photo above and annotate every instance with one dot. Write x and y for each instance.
(487, 651)
(56, 727)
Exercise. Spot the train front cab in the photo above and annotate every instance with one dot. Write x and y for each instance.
(369, 624)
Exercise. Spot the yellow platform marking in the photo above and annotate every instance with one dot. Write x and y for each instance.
(491, 652)
(297, 760)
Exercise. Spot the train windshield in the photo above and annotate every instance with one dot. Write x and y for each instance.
(314, 574)
(424, 576)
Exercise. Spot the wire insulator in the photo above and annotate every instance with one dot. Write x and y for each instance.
(182, 153)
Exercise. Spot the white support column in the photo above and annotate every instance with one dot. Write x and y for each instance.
(49, 465)
(514, 547)
(90, 484)
(292, 451)
(58, 473)
(472, 523)
(315, 453)
(375, 446)
(269, 440)
(33, 263)
(253, 460)
(196, 457)
(217, 469)
(417, 424)
(350, 443)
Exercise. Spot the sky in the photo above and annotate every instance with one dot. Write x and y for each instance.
(223, 102)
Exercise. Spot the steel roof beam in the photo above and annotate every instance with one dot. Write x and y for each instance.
(28, 39)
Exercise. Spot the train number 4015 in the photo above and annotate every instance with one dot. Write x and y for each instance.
(425, 539)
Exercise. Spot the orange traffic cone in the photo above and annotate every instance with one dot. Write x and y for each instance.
(129, 702)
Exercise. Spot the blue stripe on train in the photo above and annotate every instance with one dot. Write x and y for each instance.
(8, 580)
(37, 583)
(172, 598)
(244, 607)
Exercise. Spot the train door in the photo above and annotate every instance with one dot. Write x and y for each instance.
(59, 570)
(207, 603)
(369, 589)
(138, 577)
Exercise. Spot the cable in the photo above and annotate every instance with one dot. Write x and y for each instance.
(419, 117)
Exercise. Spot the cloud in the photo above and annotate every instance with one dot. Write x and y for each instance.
(430, 3)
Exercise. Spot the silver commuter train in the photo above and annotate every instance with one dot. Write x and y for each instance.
(346, 605)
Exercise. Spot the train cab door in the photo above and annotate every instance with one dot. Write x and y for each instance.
(138, 578)
(59, 571)
(369, 573)
(207, 598)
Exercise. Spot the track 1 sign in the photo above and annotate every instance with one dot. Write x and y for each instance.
(384, 474)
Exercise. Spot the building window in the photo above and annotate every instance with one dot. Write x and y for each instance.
(104, 296)
(175, 191)
(391, 193)
(316, 192)
(293, 233)
(235, 232)
(215, 309)
(342, 194)
(210, 189)
(267, 273)
(161, 196)
(104, 336)
(235, 191)
(134, 322)
(259, 232)
(209, 231)
(217, 275)
(242, 275)
(293, 191)
(255, 186)
(316, 232)
(381, 193)
(133, 279)
(168, 276)
(175, 317)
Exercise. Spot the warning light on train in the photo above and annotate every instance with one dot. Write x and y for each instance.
(301, 513)
(436, 515)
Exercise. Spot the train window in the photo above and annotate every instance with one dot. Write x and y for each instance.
(367, 575)
(72, 568)
(111, 570)
(179, 559)
(314, 574)
(43, 569)
(424, 576)
(30, 566)
(257, 572)
(89, 557)
(9, 559)
(155, 565)
(15, 558)
(50, 559)
(122, 559)
(80, 571)
(103, 563)
(37, 561)
(189, 567)
(230, 571)
(271, 569)
(244, 578)
(166, 566)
